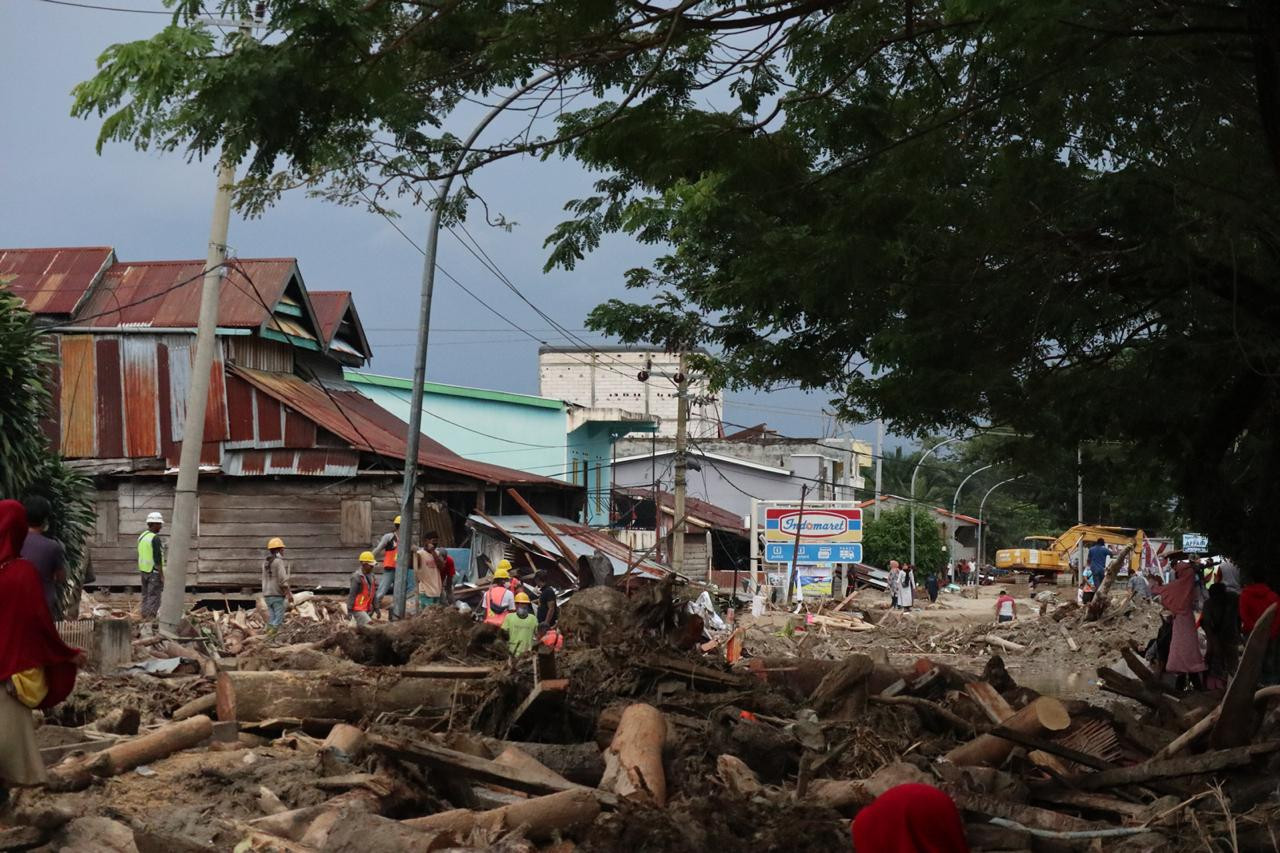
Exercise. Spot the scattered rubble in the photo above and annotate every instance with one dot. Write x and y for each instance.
(642, 734)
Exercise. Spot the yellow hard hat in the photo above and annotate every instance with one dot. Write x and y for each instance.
(522, 598)
(397, 521)
(504, 564)
(367, 557)
(274, 543)
(501, 572)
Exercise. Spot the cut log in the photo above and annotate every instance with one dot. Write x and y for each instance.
(739, 779)
(990, 806)
(204, 705)
(846, 795)
(579, 763)
(992, 703)
(514, 756)
(1208, 762)
(164, 741)
(842, 694)
(633, 762)
(1236, 719)
(253, 696)
(1058, 795)
(1007, 645)
(540, 817)
(1044, 714)
(1071, 643)
(345, 739)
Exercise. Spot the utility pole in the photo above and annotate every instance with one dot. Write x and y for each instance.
(1075, 576)
(404, 554)
(879, 463)
(682, 439)
(186, 493)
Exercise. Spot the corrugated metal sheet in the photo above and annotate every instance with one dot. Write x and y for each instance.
(79, 436)
(166, 294)
(582, 541)
(699, 510)
(53, 281)
(141, 396)
(179, 379)
(110, 426)
(325, 463)
(260, 354)
(330, 306)
(364, 424)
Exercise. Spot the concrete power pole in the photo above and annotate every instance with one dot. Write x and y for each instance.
(186, 493)
(879, 465)
(682, 440)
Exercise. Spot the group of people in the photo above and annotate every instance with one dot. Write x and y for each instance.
(964, 573)
(1195, 597)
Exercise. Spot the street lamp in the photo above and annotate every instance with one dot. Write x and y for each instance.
(955, 502)
(914, 472)
(982, 540)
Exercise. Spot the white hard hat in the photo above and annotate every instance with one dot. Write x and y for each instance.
(155, 518)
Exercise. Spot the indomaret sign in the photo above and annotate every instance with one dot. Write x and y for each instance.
(827, 534)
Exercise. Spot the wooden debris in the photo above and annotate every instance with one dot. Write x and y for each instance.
(1071, 643)
(1044, 714)
(281, 693)
(1176, 767)
(128, 754)
(1099, 602)
(205, 704)
(633, 762)
(544, 696)
(445, 671)
(1236, 720)
(345, 739)
(540, 817)
(1007, 645)
(737, 777)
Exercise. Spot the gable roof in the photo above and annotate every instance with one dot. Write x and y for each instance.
(717, 457)
(945, 513)
(53, 281)
(333, 307)
(364, 424)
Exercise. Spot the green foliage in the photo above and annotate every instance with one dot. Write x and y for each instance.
(889, 538)
(1057, 218)
(27, 465)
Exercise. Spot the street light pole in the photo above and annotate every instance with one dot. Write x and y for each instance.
(955, 502)
(404, 554)
(914, 472)
(982, 539)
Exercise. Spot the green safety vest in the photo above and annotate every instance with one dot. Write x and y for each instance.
(146, 555)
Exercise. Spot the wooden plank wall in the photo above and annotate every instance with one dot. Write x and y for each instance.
(238, 516)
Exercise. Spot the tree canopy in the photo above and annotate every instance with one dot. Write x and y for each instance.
(889, 538)
(1058, 218)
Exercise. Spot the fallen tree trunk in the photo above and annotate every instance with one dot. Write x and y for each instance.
(1044, 714)
(1236, 717)
(346, 739)
(164, 741)
(633, 762)
(1007, 645)
(253, 696)
(1099, 602)
(1175, 767)
(204, 705)
(540, 817)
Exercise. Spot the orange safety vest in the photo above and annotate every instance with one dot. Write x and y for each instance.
(494, 617)
(364, 598)
(389, 555)
(553, 638)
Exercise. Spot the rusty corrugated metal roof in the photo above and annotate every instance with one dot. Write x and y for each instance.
(364, 424)
(166, 294)
(53, 281)
(332, 307)
(697, 509)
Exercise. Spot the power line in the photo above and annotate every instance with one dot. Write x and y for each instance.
(109, 8)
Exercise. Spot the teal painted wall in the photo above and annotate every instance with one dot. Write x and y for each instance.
(591, 454)
(528, 438)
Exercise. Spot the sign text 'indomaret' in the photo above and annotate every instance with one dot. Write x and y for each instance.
(827, 534)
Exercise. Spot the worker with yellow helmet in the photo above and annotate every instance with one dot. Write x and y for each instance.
(362, 603)
(520, 625)
(385, 551)
(275, 584)
(499, 600)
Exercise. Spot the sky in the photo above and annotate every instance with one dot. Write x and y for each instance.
(57, 191)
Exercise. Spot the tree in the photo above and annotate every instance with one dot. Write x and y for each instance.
(27, 464)
(889, 538)
(1057, 218)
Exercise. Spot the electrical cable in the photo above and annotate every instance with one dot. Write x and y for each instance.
(109, 8)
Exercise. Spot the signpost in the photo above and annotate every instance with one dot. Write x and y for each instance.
(820, 534)
(1195, 543)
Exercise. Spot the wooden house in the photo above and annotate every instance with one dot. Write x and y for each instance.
(290, 448)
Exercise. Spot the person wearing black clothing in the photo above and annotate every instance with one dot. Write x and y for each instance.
(548, 607)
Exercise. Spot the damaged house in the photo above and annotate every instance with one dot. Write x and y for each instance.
(291, 449)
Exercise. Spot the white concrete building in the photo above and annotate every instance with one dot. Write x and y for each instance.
(608, 377)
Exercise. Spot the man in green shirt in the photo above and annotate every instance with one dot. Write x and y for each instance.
(151, 565)
(520, 626)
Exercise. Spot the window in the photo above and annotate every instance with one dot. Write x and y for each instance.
(356, 523)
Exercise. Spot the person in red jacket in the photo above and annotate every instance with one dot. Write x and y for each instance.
(913, 818)
(37, 669)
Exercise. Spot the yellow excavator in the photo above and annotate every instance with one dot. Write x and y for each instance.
(1049, 555)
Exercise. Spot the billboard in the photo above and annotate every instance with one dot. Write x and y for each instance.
(826, 535)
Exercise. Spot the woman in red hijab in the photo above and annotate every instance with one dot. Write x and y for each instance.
(31, 649)
(1182, 597)
(912, 818)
